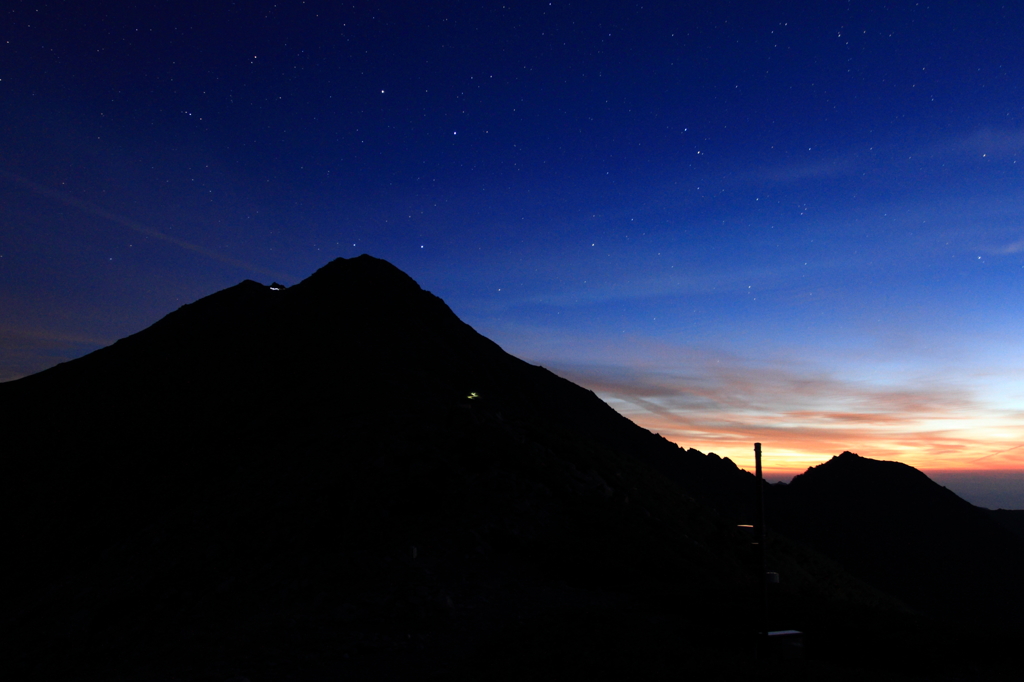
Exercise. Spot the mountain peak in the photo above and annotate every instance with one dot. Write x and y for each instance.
(849, 468)
(341, 275)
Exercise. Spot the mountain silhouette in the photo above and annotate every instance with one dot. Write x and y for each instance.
(342, 479)
(891, 525)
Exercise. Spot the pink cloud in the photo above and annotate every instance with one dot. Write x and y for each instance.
(805, 418)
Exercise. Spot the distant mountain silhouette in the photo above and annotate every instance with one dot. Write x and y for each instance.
(893, 526)
(342, 479)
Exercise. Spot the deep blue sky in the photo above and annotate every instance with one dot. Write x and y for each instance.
(736, 221)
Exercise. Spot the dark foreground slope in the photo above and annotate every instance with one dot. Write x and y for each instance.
(341, 479)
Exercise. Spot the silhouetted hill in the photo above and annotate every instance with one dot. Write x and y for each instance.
(358, 345)
(342, 479)
(339, 477)
(891, 525)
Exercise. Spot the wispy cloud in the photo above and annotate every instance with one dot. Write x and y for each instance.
(135, 226)
(804, 417)
(29, 350)
(1014, 247)
(798, 172)
(982, 143)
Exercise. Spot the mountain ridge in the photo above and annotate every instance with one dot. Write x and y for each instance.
(344, 472)
(892, 525)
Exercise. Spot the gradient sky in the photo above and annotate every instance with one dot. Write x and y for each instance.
(795, 224)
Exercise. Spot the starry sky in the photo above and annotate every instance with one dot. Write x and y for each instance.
(794, 223)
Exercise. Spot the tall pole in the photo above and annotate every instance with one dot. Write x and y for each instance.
(762, 578)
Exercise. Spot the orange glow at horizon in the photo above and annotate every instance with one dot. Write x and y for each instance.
(930, 432)
(804, 410)
(792, 449)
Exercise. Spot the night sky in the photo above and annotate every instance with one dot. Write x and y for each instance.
(735, 221)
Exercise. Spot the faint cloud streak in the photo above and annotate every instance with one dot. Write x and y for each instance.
(1015, 247)
(985, 141)
(806, 171)
(27, 351)
(804, 418)
(85, 207)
